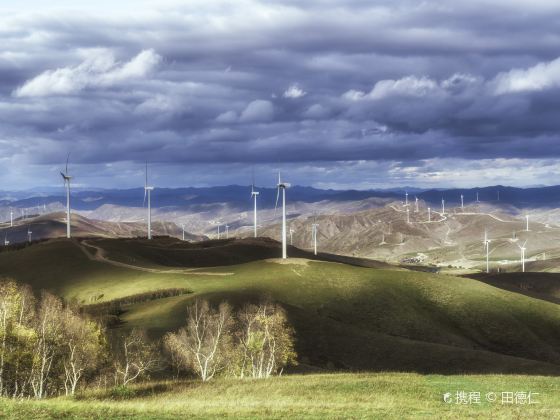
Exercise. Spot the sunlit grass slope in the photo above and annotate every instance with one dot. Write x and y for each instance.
(345, 317)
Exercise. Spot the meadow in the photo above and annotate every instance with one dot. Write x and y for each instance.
(343, 395)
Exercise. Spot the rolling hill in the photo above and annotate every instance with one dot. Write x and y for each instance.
(345, 316)
(53, 225)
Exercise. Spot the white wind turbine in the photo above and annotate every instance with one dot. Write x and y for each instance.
(67, 179)
(11, 218)
(227, 231)
(416, 202)
(462, 207)
(487, 247)
(314, 227)
(148, 192)
(183, 227)
(291, 236)
(477, 197)
(218, 231)
(282, 186)
(527, 219)
(442, 206)
(406, 198)
(254, 195)
(522, 248)
(429, 214)
(29, 234)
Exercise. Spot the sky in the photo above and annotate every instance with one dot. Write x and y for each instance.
(335, 94)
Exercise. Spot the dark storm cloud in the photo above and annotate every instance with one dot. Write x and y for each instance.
(282, 82)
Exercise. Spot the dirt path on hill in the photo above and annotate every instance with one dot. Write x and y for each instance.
(101, 256)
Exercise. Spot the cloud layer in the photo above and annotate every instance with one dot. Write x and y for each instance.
(392, 85)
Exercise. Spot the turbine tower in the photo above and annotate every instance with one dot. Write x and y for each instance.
(67, 179)
(477, 197)
(282, 187)
(416, 202)
(487, 246)
(254, 195)
(442, 206)
(148, 192)
(462, 208)
(227, 231)
(314, 235)
(522, 248)
(527, 219)
(183, 227)
(406, 198)
(429, 214)
(291, 236)
(218, 231)
(11, 218)
(29, 234)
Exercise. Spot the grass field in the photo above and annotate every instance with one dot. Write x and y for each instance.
(345, 317)
(384, 395)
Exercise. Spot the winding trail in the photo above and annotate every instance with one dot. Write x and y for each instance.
(101, 256)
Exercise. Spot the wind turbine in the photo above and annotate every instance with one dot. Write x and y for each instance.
(462, 208)
(29, 234)
(485, 240)
(406, 198)
(6, 242)
(416, 202)
(442, 206)
(314, 234)
(67, 179)
(522, 248)
(148, 192)
(254, 195)
(218, 231)
(527, 218)
(11, 218)
(407, 216)
(487, 246)
(291, 236)
(183, 227)
(477, 197)
(429, 214)
(282, 186)
(227, 231)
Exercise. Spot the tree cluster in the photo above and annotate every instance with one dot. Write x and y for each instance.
(46, 347)
(255, 342)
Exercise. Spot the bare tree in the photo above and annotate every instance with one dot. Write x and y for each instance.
(84, 344)
(49, 340)
(205, 345)
(266, 340)
(135, 357)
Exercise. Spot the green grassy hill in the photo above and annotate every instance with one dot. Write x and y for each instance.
(345, 317)
(363, 396)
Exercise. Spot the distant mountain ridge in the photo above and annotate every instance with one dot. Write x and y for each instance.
(238, 197)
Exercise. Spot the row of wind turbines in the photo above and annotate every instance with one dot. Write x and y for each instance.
(281, 190)
(486, 241)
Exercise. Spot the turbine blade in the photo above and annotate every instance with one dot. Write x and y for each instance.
(277, 197)
(146, 172)
(144, 202)
(67, 158)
